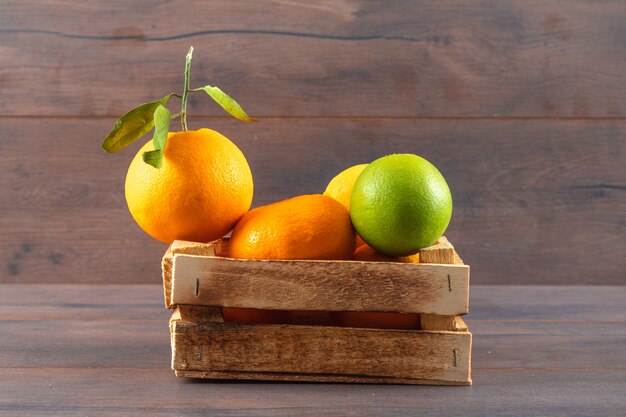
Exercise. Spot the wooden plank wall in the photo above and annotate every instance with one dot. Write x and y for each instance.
(522, 106)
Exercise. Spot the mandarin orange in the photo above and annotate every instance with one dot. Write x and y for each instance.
(378, 320)
(254, 316)
(305, 227)
(202, 189)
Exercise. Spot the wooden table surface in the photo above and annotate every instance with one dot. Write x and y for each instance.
(77, 350)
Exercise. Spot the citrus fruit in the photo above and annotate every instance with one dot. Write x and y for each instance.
(202, 188)
(367, 253)
(400, 203)
(340, 187)
(312, 318)
(378, 320)
(254, 316)
(305, 227)
(359, 241)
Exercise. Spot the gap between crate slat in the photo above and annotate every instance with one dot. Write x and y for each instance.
(194, 313)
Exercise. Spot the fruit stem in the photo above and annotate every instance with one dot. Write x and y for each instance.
(183, 108)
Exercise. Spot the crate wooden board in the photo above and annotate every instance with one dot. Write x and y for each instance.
(318, 285)
(319, 353)
(442, 252)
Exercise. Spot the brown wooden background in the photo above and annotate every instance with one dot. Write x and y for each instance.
(522, 106)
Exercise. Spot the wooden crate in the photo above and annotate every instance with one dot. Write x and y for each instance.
(200, 280)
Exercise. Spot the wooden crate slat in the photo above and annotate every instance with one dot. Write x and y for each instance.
(320, 285)
(326, 353)
(285, 376)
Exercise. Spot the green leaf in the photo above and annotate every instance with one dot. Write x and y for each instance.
(132, 125)
(227, 103)
(154, 158)
(161, 126)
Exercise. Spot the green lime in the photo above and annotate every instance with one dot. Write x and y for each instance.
(400, 204)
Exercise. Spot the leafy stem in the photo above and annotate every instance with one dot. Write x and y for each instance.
(183, 106)
(135, 123)
(231, 106)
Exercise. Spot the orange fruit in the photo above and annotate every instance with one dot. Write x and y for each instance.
(202, 189)
(367, 253)
(311, 318)
(305, 227)
(254, 316)
(378, 320)
(340, 187)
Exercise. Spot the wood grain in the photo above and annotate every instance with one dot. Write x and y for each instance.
(166, 273)
(320, 285)
(437, 322)
(199, 314)
(355, 58)
(126, 392)
(63, 302)
(326, 378)
(529, 196)
(562, 304)
(442, 252)
(145, 343)
(96, 343)
(355, 355)
(562, 347)
(562, 307)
